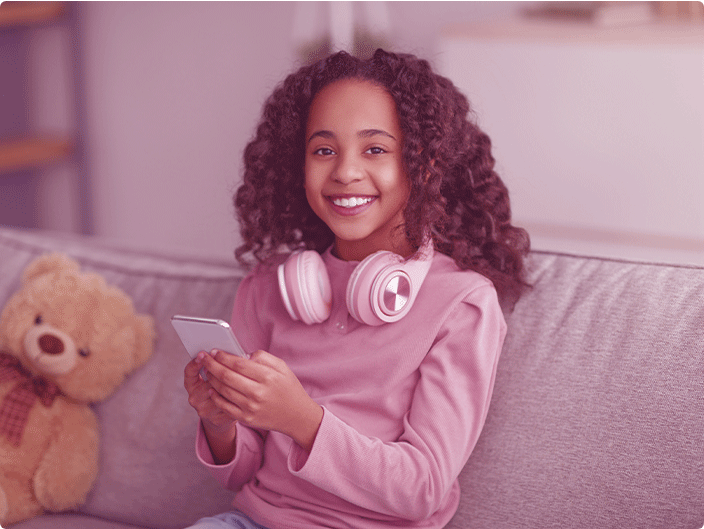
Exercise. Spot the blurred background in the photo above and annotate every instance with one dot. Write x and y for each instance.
(127, 120)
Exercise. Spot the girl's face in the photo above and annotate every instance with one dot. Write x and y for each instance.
(354, 176)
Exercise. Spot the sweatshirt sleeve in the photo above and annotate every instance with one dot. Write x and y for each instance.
(247, 460)
(412, 477)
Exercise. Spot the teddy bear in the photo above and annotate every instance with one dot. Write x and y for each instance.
(67, 339)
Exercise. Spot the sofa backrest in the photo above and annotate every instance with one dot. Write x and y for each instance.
(597, 417)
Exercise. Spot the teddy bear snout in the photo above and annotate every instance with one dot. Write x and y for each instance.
(51, 345)
(51, 350)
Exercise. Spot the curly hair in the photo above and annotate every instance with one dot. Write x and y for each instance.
(455, 194)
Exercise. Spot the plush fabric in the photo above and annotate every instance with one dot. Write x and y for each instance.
(72, 338)
(596, 417)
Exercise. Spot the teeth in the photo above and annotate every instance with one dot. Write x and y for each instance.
(351, 202)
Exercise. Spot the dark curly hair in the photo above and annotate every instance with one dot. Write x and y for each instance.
(455, 192)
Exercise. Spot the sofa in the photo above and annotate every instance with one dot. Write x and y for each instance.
(597, 417)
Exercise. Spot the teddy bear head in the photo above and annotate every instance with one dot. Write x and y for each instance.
(74, 329)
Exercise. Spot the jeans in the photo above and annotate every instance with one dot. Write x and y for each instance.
(226, 520)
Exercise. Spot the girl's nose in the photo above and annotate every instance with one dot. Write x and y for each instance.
(347, 171)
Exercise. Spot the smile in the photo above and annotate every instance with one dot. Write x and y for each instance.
(351, 202)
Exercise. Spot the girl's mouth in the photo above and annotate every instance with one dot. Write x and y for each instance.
(350, 204)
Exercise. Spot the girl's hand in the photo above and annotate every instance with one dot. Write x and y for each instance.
(264, 393)
(199, 396)
(219, 426)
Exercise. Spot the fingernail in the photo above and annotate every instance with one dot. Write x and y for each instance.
(213, 352)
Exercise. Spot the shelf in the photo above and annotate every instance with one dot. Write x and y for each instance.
(42, 37)
(560, 31)
(18, 14)
(30, 153)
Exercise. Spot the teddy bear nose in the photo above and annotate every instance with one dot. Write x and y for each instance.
(51, 344)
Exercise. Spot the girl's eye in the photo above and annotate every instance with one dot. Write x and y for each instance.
(324, 151)
(375, 150)
(84, 352)
(38, 320)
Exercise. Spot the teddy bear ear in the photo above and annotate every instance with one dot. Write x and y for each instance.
(47, 264)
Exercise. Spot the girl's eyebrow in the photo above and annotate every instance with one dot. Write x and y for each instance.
(367, 133)
(321, 134)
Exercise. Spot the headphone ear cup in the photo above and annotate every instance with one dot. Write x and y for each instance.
(305, 287)
(383, 287)
(361, 283)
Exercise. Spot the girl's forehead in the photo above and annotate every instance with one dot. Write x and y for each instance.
(353, 103)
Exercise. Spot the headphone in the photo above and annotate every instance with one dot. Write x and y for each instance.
(381, 289)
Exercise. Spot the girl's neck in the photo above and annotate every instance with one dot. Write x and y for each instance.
(359, 250)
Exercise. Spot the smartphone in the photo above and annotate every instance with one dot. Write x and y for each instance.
(205, 334)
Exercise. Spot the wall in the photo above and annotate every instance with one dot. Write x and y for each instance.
(173, 92)
(597, 131)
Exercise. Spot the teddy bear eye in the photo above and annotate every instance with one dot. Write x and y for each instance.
(38, 320)
(84, 352)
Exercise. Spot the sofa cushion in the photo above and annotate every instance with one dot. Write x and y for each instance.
(149, 475)
(597, 413)
(71, 521)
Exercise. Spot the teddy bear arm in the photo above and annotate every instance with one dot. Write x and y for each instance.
(70, 464)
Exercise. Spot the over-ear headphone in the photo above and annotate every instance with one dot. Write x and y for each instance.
(381, 289)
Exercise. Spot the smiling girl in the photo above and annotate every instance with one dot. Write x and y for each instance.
(375, 349)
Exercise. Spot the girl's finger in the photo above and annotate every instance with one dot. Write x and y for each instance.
(258, 367)
(193, 367)
(233, 362)
(230, 370)
(267, 359)
(226, 406)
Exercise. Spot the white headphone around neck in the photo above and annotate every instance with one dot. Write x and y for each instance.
(381, 289)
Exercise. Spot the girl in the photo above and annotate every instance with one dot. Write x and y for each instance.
(366, 392)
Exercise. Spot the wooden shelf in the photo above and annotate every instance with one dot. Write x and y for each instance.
(560, 31)
(30, 153)
(33, 144)
(19, 14)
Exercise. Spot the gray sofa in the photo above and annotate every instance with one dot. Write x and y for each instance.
(597, 417)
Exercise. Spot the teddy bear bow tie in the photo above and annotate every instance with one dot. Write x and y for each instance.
(15, 407)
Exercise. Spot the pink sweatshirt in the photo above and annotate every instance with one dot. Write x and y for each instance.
(403, 403)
